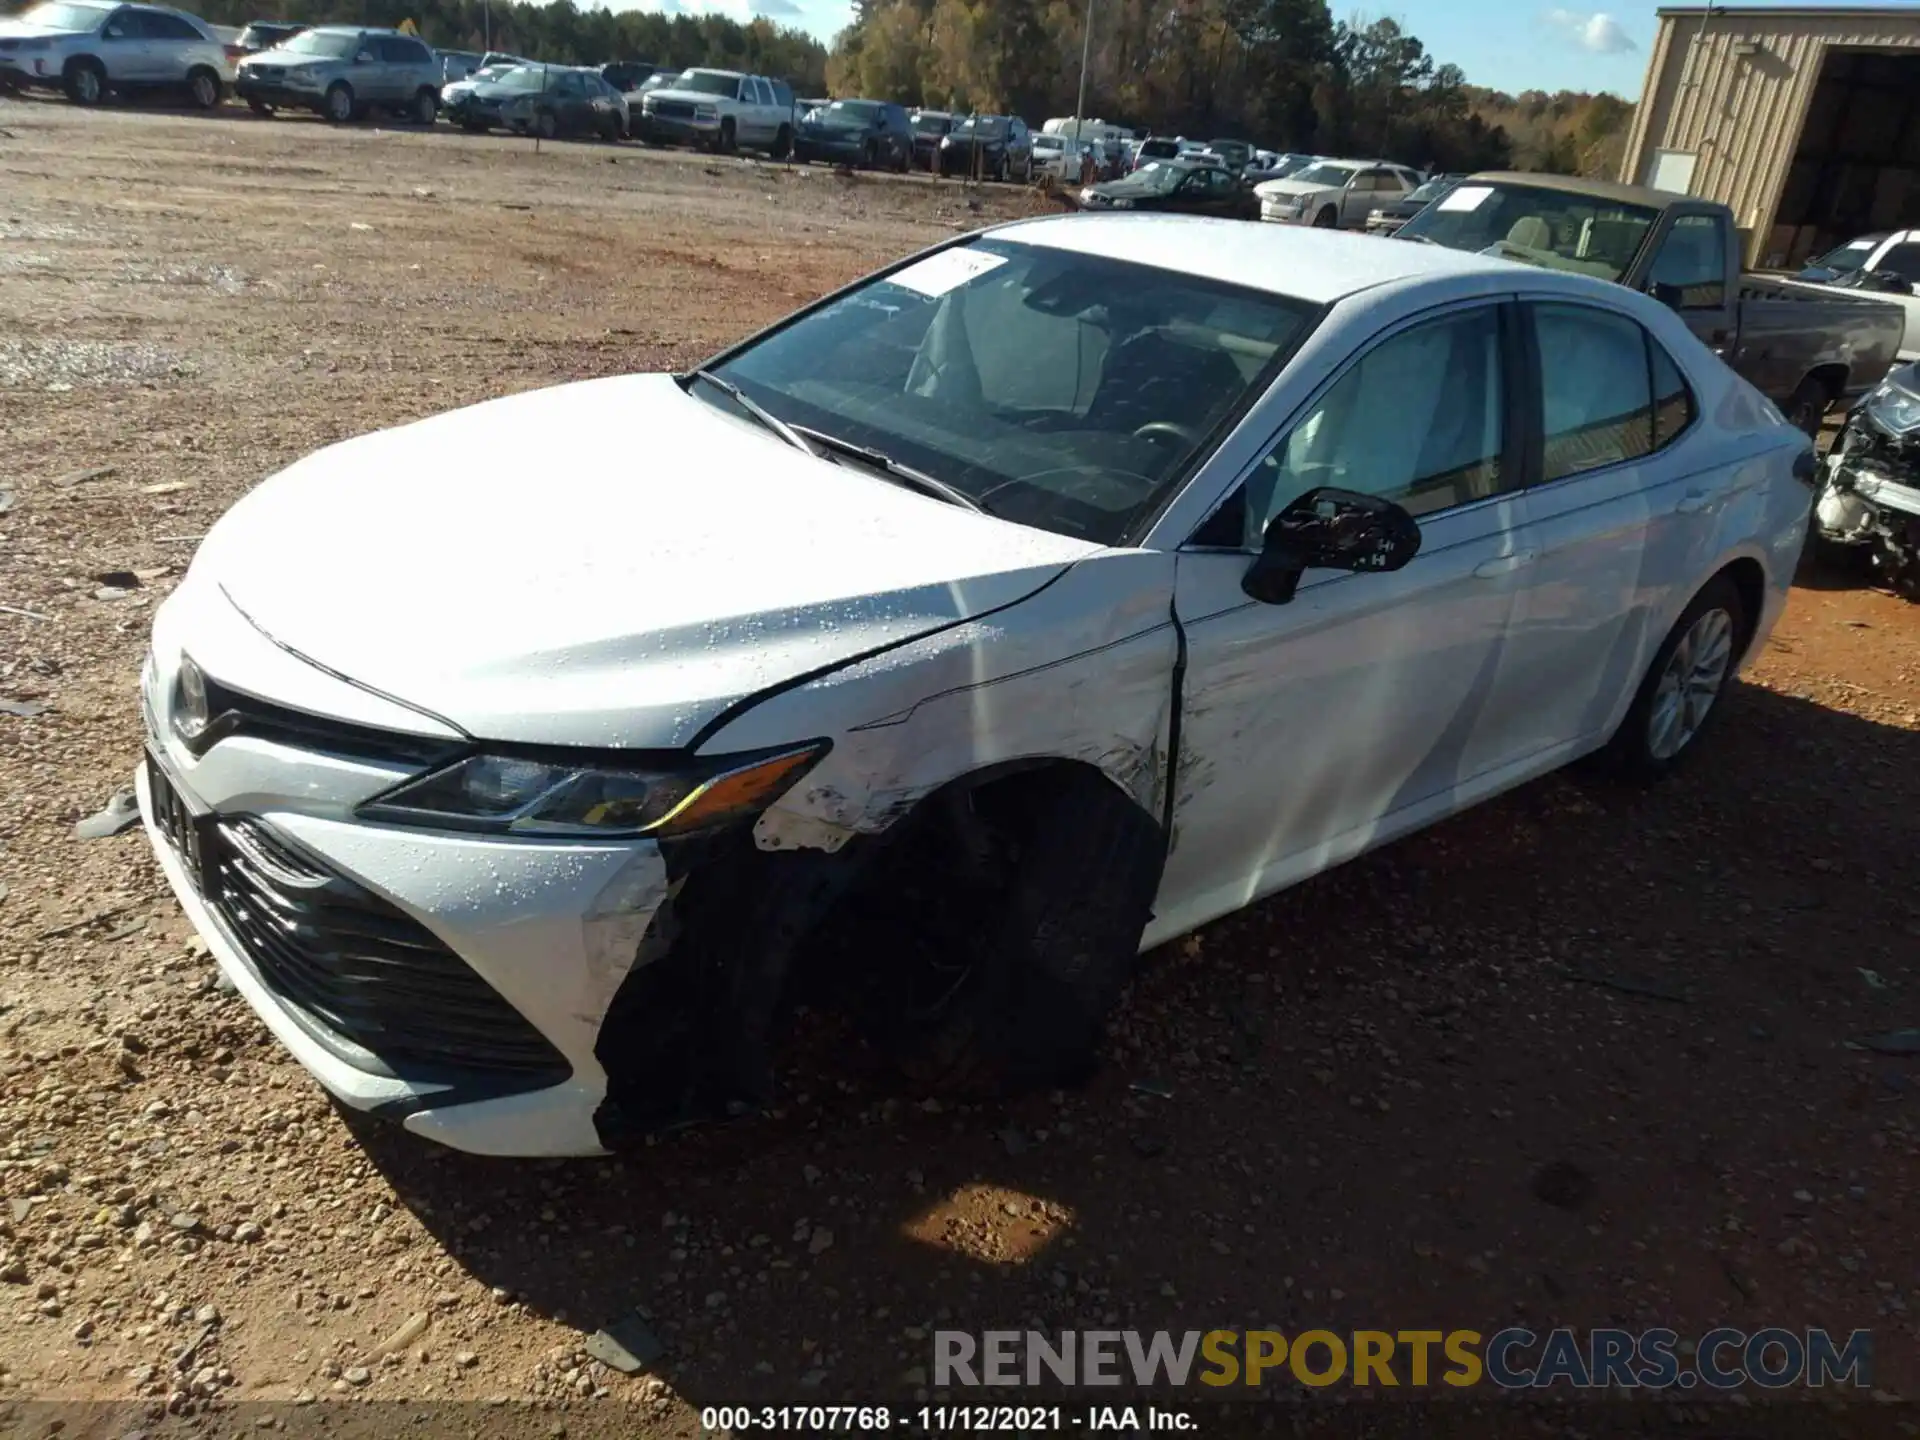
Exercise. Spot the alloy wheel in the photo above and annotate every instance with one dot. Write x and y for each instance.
(86, 85)
(1695, 674)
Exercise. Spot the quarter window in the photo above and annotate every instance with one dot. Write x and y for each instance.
(1419, 420)
(1673, 407)
(1596, 389)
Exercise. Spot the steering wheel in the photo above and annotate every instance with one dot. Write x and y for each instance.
(1156, 429)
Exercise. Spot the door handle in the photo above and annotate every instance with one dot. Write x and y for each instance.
(1505, 564)
(1693, 502)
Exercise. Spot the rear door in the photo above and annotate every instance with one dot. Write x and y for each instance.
(126, 47)
(1612, 523)
(173, 44)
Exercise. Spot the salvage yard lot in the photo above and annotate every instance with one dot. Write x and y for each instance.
(1347, 1096)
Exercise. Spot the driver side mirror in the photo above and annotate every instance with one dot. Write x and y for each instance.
(1329, 529)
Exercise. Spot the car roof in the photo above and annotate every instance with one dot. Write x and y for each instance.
(1613, 190)
(1319, 266)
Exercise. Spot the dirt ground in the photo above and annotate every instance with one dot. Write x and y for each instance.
(1349, 1093)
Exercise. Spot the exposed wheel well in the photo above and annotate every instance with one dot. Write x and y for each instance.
(1832, 377)
(1751, 582)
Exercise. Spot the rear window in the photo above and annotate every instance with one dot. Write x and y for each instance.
(1159, 149)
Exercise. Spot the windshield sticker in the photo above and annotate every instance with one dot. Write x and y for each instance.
(1465, 197)
(950, 269)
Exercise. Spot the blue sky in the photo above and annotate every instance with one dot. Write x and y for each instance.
(1507, 45)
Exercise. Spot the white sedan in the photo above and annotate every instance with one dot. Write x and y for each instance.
(1334, 194)
(1036, 600)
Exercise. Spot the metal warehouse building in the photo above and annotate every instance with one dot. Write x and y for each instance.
(1806, 122)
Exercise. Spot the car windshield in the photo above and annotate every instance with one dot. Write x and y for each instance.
(1849, 257)
(65, 17)
(1555, 229)
(1159, 175)
(334, 44)
(1331, 176)
(521, 77)
(1432, 189)
(854, 112)
(1024, 376)
(987, 127)
(932, 124)
(708, 82)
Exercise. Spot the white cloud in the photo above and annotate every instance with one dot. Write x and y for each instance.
(1598, 32)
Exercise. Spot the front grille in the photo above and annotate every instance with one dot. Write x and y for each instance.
(357, 966)
(235, 712)
(672, 109)
(265, 72)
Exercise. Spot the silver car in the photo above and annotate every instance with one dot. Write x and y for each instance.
(90, 49)
(343, 72)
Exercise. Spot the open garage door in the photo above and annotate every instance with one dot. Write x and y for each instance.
(1856, 168)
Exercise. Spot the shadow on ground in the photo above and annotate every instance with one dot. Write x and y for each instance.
(1364, 1078)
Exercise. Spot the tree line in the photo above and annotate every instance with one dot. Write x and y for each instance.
(1281, 73)
(564, 33)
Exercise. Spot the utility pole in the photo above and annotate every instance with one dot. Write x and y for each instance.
(1080, 101)
(488, 32)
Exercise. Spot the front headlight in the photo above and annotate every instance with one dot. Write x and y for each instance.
(553, 797)
(191, 712)
(1894, 410)
(706, 112)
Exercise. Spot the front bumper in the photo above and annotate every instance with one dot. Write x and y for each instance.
(30, 70)
(541, 935)
(817, 147)
(471, 112)
(279, 94)
(671, 131)
(1281, 212)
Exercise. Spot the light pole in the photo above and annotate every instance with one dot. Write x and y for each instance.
(1080, 101)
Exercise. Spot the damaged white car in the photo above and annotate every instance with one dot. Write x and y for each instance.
(992, 620)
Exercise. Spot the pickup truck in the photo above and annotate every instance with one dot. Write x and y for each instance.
(1802, 346)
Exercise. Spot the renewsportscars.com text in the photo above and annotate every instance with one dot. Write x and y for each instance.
(1511, 1359)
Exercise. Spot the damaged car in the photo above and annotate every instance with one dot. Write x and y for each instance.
(1869, 505)
(959, 638)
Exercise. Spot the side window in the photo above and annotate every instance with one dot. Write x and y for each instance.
(415, 53)
(1691, 268)
(782, 94)
(159, 26)
(128, 25)
(1418, 419)
(569, 85)
(1673, 403)
(388, 49)
(1903, 260)
(1596, 394)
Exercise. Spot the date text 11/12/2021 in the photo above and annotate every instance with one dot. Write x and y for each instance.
(947, 1419)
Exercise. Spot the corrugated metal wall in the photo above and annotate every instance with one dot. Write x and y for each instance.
(1741, 113)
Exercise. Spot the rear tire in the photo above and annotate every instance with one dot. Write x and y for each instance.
(1685, 688)
(205, 89)
(426, 107)
(85, 82)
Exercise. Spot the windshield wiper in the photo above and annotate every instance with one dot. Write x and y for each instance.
(758, 411)
(887, 465)
(1420, 239)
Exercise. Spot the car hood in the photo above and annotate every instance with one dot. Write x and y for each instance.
(1129, 188)
(698, 97)
(1291, 187)
(514, 569)
(288, 58)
